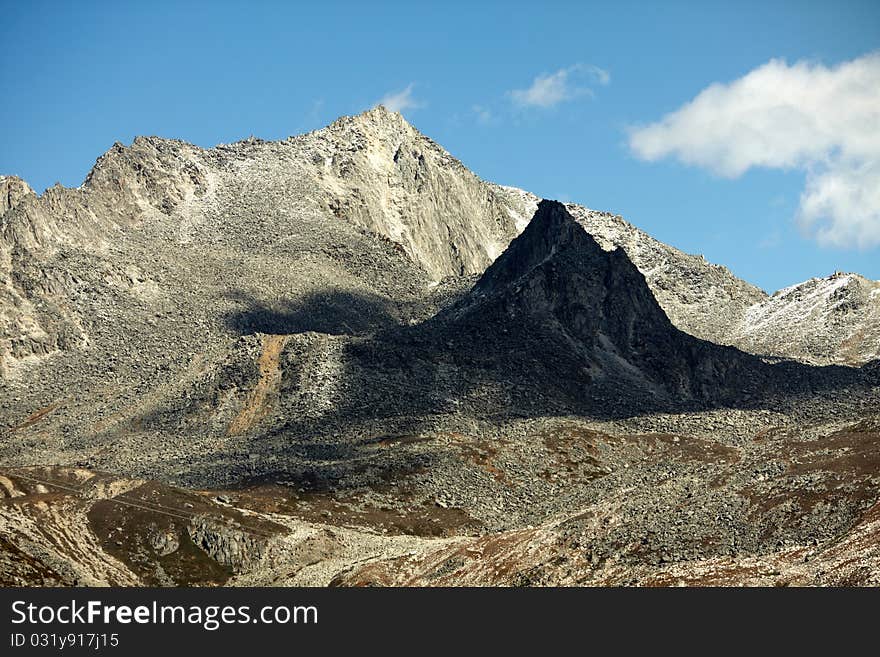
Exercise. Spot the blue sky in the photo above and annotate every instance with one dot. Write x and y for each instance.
(78, 76)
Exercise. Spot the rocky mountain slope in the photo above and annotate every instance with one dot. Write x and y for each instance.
(350, 329)
(652, 509)
(237, 218)
(831, 320)
(699, 297)
(556, 326)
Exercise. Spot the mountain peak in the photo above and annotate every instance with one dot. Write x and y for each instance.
(381, 111)
(376, 119)
(834, 319)
(551, 232)
(12, 190)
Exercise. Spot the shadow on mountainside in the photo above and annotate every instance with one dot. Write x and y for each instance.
(356, 463)
(403, 386)
(555, 327)
(331, 311)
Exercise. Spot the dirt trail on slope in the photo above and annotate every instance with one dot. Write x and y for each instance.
(255, 407)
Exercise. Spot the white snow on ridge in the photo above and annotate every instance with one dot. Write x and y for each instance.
(795, 303)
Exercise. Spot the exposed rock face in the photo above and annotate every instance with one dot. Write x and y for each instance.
(12, 190)
(35, 319)
(340, 208)
(164, 542)
(832, 320)
(234, 548)
(596, 308)
(556, 275)
(378, 171)
(162, 285)
(57, 251)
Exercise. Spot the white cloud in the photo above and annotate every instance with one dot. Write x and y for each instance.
(824, 121)
(483, 114)
(602, 76)
(398, 101)
(550, 89)
(841, 204)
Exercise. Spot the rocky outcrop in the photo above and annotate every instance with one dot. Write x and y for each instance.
(554, 279)
(831, 320)
(44, 240)
(12, 191)
(237, 549)
(78, 527)
(555, 275)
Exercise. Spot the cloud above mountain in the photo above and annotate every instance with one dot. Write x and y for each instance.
(551, 89)
(822, 120)
(399, 101)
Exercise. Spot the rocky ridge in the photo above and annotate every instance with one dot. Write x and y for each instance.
(374, 173)
(824, 320)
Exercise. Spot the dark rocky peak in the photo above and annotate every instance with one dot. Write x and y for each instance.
(557, 298)
(555, 269)
(552, 233)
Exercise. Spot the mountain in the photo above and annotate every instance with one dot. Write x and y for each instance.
(555, 327)
(823, 321)
(351, 330)
(347, 204)
(556, 277)
(197, 214)
(700, 298)
(12, 190)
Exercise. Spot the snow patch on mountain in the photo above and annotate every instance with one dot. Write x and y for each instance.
(835, 319)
